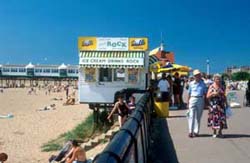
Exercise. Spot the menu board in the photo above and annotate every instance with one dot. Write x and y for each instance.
(133, 75)
(90, 74)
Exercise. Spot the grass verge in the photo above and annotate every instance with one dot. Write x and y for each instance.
(81, 132)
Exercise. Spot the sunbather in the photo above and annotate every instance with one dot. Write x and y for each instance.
(64, 153)
(70, 101)
(51, 107)
(78, 154)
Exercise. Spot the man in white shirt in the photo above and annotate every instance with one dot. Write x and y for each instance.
(196, 101)
(208, 81)
(164, 87)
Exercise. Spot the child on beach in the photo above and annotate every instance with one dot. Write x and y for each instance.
(122, 109)
(131, 104)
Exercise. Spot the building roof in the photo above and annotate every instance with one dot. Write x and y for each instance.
(30, 65)
(165, 55)
(62, 66)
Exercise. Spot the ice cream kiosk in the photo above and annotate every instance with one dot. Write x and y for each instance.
(109, 64)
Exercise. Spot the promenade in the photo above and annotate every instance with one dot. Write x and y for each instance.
(174, 145)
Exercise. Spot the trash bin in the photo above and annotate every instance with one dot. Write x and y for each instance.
(161, 104)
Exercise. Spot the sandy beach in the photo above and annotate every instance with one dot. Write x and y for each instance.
(22, 136)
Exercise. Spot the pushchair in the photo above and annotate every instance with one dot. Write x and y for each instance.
(233, 100)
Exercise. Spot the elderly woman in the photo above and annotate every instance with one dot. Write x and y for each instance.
(217, 103)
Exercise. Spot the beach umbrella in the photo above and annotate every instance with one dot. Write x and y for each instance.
(182, 70)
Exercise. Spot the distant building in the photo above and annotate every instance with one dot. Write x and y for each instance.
(234, 69)
(11, 74)
(159, 54)
(165, 56)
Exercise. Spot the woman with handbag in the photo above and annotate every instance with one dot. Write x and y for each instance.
(216, 107)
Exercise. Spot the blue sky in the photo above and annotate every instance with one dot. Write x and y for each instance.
(46, 31)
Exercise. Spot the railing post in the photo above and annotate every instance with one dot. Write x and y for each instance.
(131, 143)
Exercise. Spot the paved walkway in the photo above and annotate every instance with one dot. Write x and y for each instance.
(175, 146)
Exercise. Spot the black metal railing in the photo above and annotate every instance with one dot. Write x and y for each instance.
(131, 143)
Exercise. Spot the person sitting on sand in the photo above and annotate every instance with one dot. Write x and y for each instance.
(57, 99)
(78, 154)
(51, 107)
(70, 101)
(64, 154)
(3, 157)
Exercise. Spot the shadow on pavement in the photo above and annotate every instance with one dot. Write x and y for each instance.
(162, 149)
(228, 136)
(205, 135)
(177, 116)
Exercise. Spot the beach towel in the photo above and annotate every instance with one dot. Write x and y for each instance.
(7, 116)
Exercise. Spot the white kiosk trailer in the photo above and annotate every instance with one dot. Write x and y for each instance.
(108, 65)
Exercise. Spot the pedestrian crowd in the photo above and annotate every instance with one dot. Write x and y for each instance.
(203, 92)
(209, 94)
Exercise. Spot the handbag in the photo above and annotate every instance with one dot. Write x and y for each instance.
(229, 112)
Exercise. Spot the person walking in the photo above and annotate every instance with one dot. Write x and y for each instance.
(170, 82)
(164, 87)
(248, 93)
(123, 110)
(216, 107)
(196, 101)
(177, 89)
(67, 91)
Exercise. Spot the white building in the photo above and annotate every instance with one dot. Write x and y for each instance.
(31, 70)
(10, 74)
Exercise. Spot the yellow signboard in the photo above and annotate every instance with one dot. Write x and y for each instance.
(138, 44)
(112, 44)
(87, 43)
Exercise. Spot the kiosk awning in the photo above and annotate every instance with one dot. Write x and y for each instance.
(153, 59)
(112, 59)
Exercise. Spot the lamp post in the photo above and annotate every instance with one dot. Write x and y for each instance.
(208, 67)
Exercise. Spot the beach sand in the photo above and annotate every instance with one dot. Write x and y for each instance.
(22, 136)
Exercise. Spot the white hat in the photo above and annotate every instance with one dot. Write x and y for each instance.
(196, 72)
